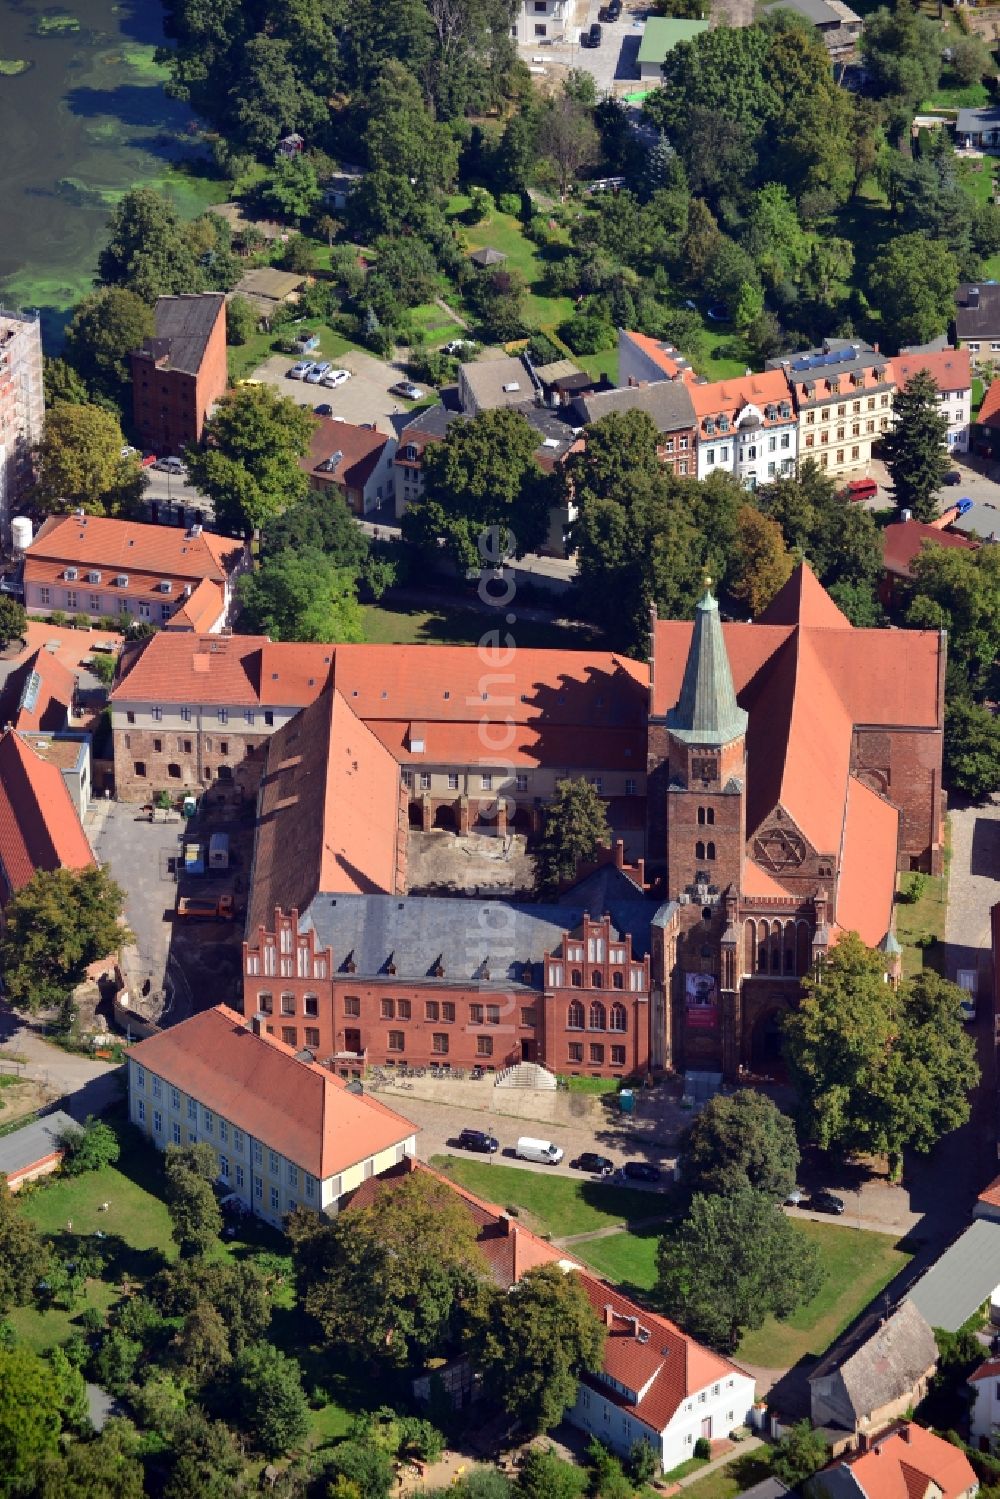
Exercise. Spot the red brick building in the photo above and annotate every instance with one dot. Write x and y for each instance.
(179, 373)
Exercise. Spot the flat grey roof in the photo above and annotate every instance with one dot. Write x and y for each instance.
(963, 1278)
(983, 519)
(987, 117)
(24, 1146)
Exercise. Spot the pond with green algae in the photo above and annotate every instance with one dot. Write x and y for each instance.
(82, 121)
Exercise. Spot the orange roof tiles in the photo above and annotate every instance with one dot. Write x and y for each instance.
(951, 368)
(757, 881)
(904, 540)
(237, 671)
(729, 397)
(903, 1464)
(662, 355)
(991, 1194)
(38, 694)
(129, 547)
(328, 814)
(803, 600)
(865, 889)
(39, 826)
(259, 1085)
(359, 449)
(201, 611)
(560, 748)
(990, 408)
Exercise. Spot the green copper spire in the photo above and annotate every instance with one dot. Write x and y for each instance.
(707, 711)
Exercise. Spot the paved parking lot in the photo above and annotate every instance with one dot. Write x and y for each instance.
(613, 65)
(365, 397)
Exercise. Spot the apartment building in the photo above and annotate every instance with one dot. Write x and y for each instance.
(541, 22)
(179, 373)
(951, 371)
(22, 408)
(843, 397)
(189, 710)
(352, 462)
(668, 404)
(286, 1132)
(92, 565)
(746, 427)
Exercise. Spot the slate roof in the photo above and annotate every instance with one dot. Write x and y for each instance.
(978, 322)
(487, 256)
(706, 711)
(668, 402)
(184, 326)
(972, 121)
(963, 1278)
(465, 937)
(26, 1146)
(259, 1085)
(882, 1361)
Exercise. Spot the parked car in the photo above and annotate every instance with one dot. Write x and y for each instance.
(641, 1171)
(600, 1165)
(332, 378)
(795, 1198)
(826, 1202)
(953, 477)
(610, 12)
(300, 371)
(407, 390)
(169, 465)
(480, 1140)
(964, 506)
(458, 346)
(324, 409)
(591, 37)
(543, 1152)
(317, 372)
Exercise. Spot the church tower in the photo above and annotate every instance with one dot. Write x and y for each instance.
(706, 773)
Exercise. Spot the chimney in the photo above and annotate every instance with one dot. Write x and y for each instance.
(904, 1431)
(619, 853)
(257, 1024)
(973, 296)
(609, 1314)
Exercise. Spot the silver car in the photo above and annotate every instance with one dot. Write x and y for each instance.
(300, 371)
(317, 372)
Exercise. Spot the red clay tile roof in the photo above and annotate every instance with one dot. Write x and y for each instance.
(903, 1464)
(904, 540)
(562, 748)
(654, 349)
(240, 671)
(664, 1368)
(38, 694)
(990, 408)
(728, 397)
(258, 1084)
(126, 546)
(951, 368)
(865, 889)
(39, 826)
(360, 451)
(991, 1194)
(757, 881)
(804, 601)
(989, 1370)
(328, 813)
(201, 611)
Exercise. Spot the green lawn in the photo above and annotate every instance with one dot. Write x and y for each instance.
(976, 177)
(399, 625)
(924, 918)
(735, 1478)
(504, 232)
(978, 392)
(556, 1205)
(856, 1265)
(960, 96)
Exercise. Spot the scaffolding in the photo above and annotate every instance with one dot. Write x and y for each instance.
(22, 408)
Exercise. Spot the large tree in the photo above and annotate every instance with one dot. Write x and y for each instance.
(267, 1394)
(55, 926)
(107, 1465)
(876, 1067)
(740, 1140)
(149, 249)
(959, 591)
(386, 1282)
(761, 563)
(23, 1256)
(106, 327)
(912, 282)
(732, 1262)
(535, 1342)
(13, 619)
(576, 826)
(194, 1211)
(81, 466)
(971, 748)
(482, 475)
(30, 1420)
(799, 1454)
(301, 596)
(249, 461)
(916, 449)
(567, 139)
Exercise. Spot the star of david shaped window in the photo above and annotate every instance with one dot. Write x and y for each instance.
(780, 850)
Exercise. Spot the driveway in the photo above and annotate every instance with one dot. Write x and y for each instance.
(83, 1085)
(613, 65)
(364, 398)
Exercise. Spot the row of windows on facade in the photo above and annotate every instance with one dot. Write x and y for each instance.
(97, 605)
(824, 437)
(175, 772)
(777, 947)
(396, 1042)
(424, 779)
(826, 411)
(557, 978)
(239, 1176)
(222, 714)
(219, 1129)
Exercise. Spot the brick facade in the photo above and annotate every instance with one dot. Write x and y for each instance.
(170, 403)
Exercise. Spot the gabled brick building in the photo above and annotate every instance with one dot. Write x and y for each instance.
(179, 373)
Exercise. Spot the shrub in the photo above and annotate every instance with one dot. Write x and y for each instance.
(703, 1448)
(510, 203)
(80, 621)
(914, 886)
(57, 617)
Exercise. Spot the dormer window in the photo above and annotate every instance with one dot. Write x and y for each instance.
(835, 387)
(710, 426)
(723, 424)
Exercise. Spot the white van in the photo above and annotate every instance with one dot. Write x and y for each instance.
(542, 1151)
(218, 851)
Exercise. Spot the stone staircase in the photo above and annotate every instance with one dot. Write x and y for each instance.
(527, 1075)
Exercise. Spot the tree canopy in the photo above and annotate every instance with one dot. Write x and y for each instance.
(105, 329)
(55, 926)
(912, 283)
(730, 1263)
(23, 1256)
(249, 461)
(535, 1340)
(193, 1207)
(877, 1067)
(576, 826)
(916, 452)
(80, 463)
(740, 1140)
(301, 595)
